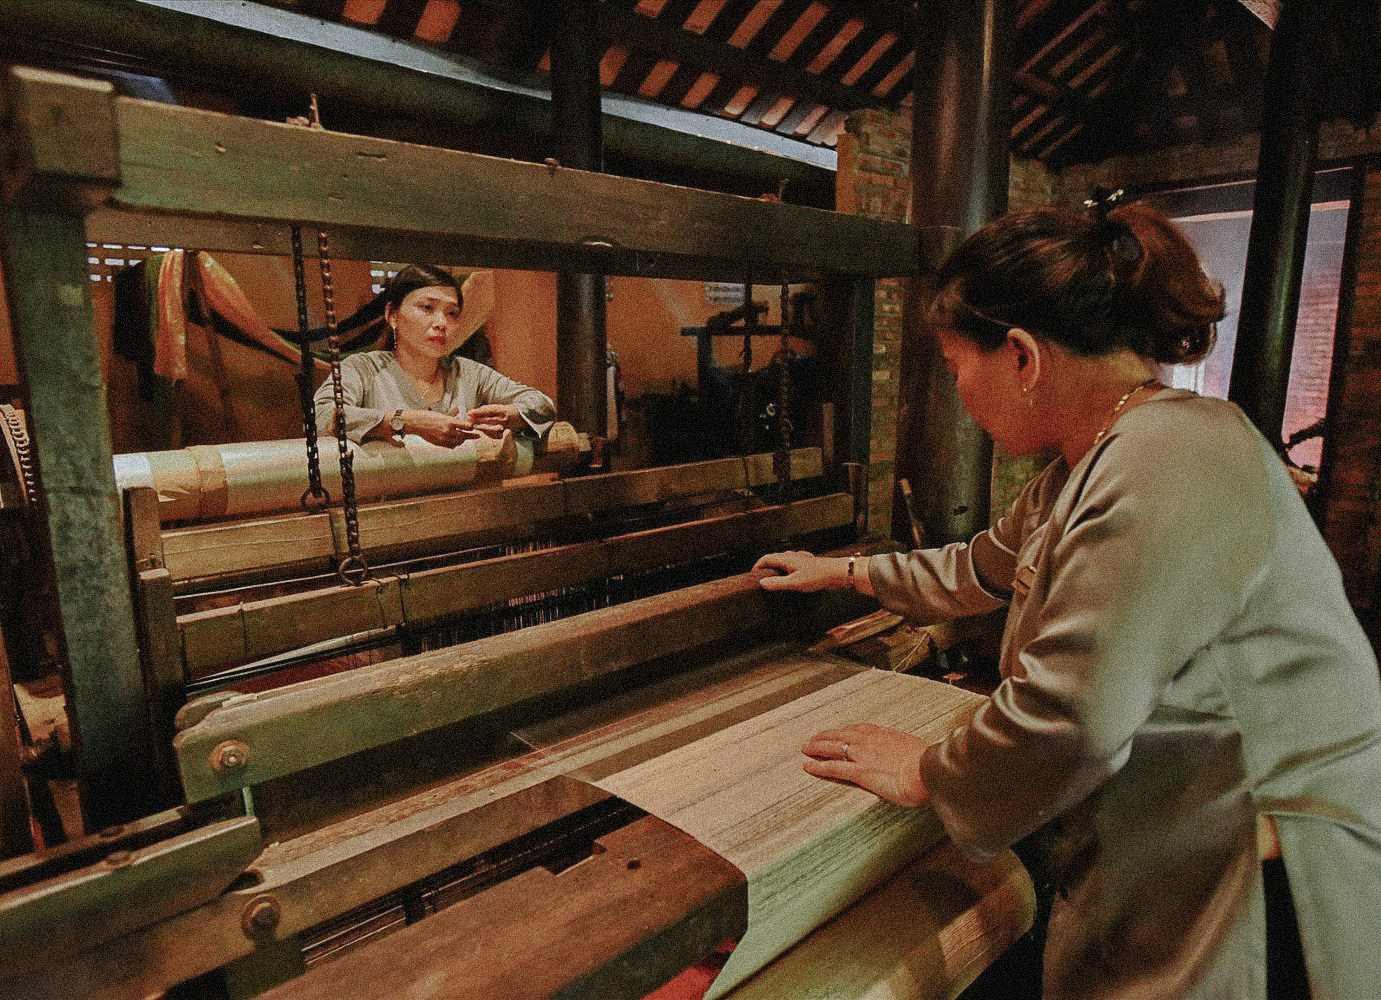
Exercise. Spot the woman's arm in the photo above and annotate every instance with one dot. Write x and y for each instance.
(1158, 554)
(502, 403)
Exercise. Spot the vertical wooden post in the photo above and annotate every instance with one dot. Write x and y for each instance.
(15, 835)
(846, 317)
(155, 619)
(959, 182)
(62, 157)
(1280, 217)
(578, 133)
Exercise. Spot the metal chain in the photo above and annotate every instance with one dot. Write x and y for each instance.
(316, 495)
(781, 459)
(19, 439)
(353, 568)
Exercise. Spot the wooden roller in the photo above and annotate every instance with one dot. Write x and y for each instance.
(209, 482)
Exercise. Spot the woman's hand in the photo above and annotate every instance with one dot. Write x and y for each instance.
(493, 419)
(804, 572)
(885, 761)
(438, 428)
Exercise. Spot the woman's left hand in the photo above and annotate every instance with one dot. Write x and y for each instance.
(493, 419)
(885, 761)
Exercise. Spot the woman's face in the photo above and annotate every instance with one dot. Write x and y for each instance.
(989, 386)
(425, 321)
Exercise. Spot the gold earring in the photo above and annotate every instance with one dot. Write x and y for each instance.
(1030, 399)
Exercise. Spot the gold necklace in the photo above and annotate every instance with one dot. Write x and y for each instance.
(1112, 417)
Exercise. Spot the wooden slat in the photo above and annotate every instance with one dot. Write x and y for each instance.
(269, 546)
(318, 877)
(155, 623)
(647, 904)
(646, 34)
(186, 162)
(809, 847)
(275, 625)
(646, 486)
(309, 723)
(128, 888)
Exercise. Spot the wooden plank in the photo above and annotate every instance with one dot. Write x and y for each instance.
(597, 494)
(809, 847)
(183, 161)
(155, 620)
(60, 367)
(805, 464)
(127, 888)
(451, 590)
(293, 728)
(926, 932)
(275, 625)
(648, 903)
(268, 546)
(318, 877)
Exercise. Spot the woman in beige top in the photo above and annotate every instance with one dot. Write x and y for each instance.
(1190, 714)
(417, 386)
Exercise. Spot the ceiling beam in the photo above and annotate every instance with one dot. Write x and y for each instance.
(646, 34)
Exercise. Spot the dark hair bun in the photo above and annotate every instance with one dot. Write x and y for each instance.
(1129, 279)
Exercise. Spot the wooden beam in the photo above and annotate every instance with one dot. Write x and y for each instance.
(372, 192)
(317, 877)
(159, 870)
(650, 35)
(264, 628)
(647, 904)
(60, 157)
(266, 548)
(247, 741)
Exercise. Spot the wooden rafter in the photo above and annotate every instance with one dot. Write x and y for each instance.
(645, 34)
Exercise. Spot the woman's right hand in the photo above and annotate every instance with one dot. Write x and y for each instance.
(804, 572)
(438, 428)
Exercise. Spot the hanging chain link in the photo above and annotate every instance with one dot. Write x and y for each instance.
(23, 455)
(353, 568)
(316, 495)
(781, 459)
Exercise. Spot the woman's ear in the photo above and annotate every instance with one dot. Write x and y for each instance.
(1026, 355)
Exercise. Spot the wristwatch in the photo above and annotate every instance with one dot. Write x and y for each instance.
(397, 424)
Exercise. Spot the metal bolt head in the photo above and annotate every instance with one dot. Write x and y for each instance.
(229, 756)
(260, 916)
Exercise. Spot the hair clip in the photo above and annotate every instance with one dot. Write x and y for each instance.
(1104, 200)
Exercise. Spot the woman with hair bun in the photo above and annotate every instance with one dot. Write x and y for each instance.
(1189, 712)
(417, 385)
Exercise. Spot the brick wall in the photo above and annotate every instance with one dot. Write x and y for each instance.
(1352, 520)
(874, 179)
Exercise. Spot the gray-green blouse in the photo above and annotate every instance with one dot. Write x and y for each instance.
(374, 385)
(1179, 657)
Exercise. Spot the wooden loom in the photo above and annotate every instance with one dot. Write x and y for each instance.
(583, 807)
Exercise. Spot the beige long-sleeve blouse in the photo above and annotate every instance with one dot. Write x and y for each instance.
(1179, 657)
(373, 386)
